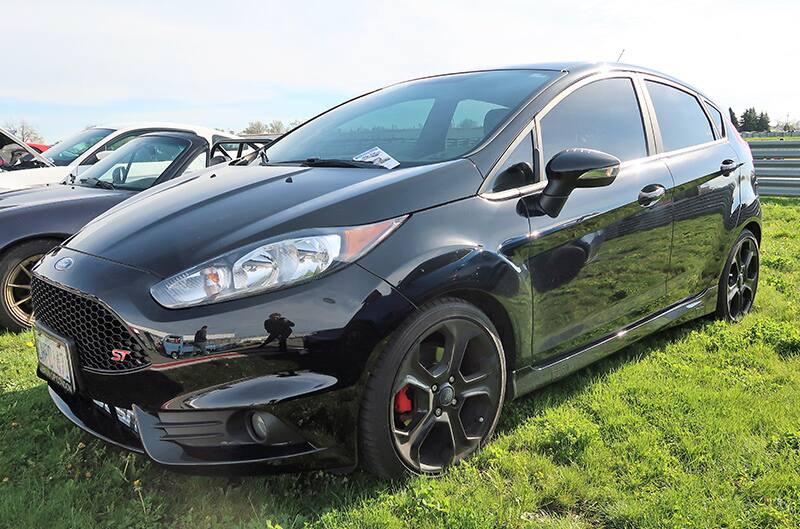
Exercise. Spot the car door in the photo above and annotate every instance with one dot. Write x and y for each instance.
(602, 263)
(703, 165)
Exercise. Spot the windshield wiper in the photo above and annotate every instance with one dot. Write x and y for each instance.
(94, 182)
(334, 162)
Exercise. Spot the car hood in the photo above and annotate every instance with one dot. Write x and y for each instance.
(10, 137)
(189, 220)
(59, 195)
(32, 177)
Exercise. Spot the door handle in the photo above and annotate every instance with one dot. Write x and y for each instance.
(651, 194)
(728, 166)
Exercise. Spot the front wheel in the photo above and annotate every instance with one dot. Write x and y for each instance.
(16, 265)
(435, 394)
(739, 280)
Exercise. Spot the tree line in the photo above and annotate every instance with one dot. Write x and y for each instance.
(751, 121)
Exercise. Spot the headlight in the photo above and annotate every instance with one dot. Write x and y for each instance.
(269, 266)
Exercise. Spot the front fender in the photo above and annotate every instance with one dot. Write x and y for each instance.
(472, 248)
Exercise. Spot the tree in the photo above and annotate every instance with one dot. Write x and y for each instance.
(734, 119)
(293, 124)
(749, 121)
(789, 125)
(763, 122)
(276, 126)
(24, 131)
(255, 127)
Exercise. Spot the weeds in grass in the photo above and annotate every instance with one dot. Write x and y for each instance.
(697, 426)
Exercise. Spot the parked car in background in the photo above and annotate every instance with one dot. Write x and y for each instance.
(75, 154)
(387, 275)
(16, 155)
(39, 147)
(35, 220)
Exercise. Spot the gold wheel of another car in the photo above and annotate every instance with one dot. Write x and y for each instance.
(17, 291)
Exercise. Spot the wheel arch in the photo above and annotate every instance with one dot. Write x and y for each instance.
(10, 245)
(755, 227)
(498, 315)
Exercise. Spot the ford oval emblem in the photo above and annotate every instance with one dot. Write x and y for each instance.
(63, 264)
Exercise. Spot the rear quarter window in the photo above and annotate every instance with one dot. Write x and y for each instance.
(680, 117)
(716, 115)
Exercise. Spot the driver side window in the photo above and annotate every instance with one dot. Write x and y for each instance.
(603, 115)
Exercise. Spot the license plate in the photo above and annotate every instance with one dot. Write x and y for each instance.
(55, 360)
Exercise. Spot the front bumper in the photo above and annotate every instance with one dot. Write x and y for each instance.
(191, 403)
(199, 442)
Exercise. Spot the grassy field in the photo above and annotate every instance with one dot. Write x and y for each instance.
(786, 138)
(698, 426)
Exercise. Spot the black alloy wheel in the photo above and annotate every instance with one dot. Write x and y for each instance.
(440, 386)
(739, 280)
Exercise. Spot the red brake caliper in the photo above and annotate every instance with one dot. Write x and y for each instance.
(402, 404)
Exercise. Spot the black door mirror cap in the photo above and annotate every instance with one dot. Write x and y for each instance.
(573, 168)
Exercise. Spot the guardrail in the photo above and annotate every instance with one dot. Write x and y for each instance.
(777, 167)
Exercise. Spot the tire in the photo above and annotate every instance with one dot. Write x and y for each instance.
(429, 402)
(739, 280)
(15, 266)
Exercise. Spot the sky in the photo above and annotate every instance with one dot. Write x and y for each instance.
(225, 63)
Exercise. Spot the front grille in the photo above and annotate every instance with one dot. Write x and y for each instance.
(95, 330)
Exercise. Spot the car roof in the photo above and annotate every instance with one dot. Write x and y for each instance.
(583, 68)
(173, 134)
(206, 132)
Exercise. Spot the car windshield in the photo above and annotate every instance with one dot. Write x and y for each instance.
(67, 151)
(417, 122)
(137, 165)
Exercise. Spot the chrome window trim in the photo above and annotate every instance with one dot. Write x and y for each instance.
(700, 101)
(534, 128)
(649, 122)
(719, 133)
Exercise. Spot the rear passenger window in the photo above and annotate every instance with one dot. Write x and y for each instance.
(680, 117)
(716, 115)
(602, 115)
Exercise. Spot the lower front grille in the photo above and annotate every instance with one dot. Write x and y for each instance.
(95, 330)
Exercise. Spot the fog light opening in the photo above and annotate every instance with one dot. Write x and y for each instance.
(258, 427)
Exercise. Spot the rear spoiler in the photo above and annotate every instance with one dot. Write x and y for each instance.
(235, 149)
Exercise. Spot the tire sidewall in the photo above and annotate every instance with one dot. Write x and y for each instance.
(8, 261)
(723, 311)
(382, 379)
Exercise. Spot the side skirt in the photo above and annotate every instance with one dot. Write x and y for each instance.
(530, 378)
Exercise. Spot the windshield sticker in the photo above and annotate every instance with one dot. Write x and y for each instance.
(377, 156)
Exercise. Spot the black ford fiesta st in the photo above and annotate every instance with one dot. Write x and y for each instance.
(374, 286)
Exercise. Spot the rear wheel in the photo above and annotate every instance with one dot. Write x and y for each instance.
(436, 392)
(16, 265)
(739, 281)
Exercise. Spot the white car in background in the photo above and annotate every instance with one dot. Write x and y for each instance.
(70, 157)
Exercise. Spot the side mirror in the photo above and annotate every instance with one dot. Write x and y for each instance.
(574, 168)
(103, 154)
(119, 175)
(216, 160)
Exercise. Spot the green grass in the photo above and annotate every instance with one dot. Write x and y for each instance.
(698, 426)
(786, 138)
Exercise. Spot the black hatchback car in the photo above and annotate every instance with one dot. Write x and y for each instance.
(378, 283)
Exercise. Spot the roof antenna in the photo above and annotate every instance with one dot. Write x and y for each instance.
(620, 54)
